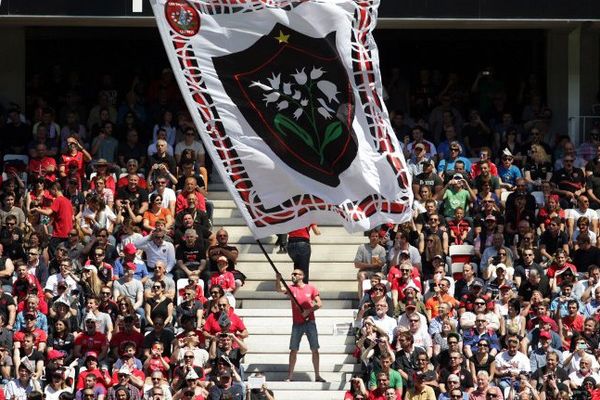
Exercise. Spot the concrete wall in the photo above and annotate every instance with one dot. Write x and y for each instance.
(12, 65)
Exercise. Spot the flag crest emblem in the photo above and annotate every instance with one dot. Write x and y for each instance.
(182, 17)
(295, 93)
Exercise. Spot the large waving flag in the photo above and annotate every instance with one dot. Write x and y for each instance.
(287, 97)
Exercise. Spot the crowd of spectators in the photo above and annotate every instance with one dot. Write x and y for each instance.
(114, 284)
(492, 291)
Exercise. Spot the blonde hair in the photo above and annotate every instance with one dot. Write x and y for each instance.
(540, 154)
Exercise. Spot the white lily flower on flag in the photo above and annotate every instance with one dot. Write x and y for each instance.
(282, 105)
(300, 77)
(316, 73)
(329, 90)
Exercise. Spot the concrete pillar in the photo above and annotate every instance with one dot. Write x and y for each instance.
(590, 72)
(557, 87)
(12, 65)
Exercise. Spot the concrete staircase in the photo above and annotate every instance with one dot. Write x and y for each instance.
(267, 314)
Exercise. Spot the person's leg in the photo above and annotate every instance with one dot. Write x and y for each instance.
(361, 276)
(292, 364)
(300, 252)
(313, 341)
(297, 332)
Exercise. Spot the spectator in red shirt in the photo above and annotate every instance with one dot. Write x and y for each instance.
(61, 211)
(223, 278)
(91, 340)
(75, 152)
(91, 363)
(224, 320)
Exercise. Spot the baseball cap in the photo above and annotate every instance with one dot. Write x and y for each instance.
(55, 354)
(91, 317)
(546, 319)
(411, 304)
(91, 354)
(453, 378)
(490, 217)
(129, 249)
(124, 370)
(544, 334)
(478, 282)
(101, 161)
(426, 161)
(438, 257)
(191, 375)
(91, 268)
(131, 266)
(222, 258)
(505, 286)
(457, 176)
(501, 266)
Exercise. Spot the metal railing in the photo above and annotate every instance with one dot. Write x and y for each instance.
(580, 125)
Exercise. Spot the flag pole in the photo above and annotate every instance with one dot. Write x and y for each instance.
(285, 285)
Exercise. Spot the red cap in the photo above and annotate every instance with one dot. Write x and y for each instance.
(54, 354)
(91, 354)
(131, 266)
(544, 334)
(546, 319)
(129, 248)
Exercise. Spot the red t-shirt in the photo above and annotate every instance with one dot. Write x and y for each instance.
(39, 167)
(122, 182)
(91, 343)
(305, 296)
(303, 233)
(99, 374)
(212, 324)
(226, 280)
(78, 158)
(182, 204)
(62, 219)
(40, 337)
(121, 337)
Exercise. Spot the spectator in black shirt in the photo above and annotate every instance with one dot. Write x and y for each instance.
(191, 256)
(553, 239)
(131, 149)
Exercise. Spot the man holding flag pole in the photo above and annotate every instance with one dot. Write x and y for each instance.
(305, 301)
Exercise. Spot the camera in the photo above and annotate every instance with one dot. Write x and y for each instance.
(496, 260)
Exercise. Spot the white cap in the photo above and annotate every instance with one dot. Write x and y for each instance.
(192, 375)
(124, 370)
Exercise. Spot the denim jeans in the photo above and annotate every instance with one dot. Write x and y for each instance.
(299, 252)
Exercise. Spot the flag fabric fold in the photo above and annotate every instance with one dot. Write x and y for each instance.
(287, 98)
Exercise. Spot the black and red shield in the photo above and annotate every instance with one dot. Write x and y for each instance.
(294, 92)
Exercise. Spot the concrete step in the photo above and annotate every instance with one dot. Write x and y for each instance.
(308, 394)
(257, 341)
(283, 358)
(326, 231)
(323, 328)
(218, 195)
(317, 268)
(302, 367)
(267, 313)
(324, 349)
(274, 378)
(331, 255)
(325, 295)
(285, 304)
(307, 385)
(261, 285)
(316, 275)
